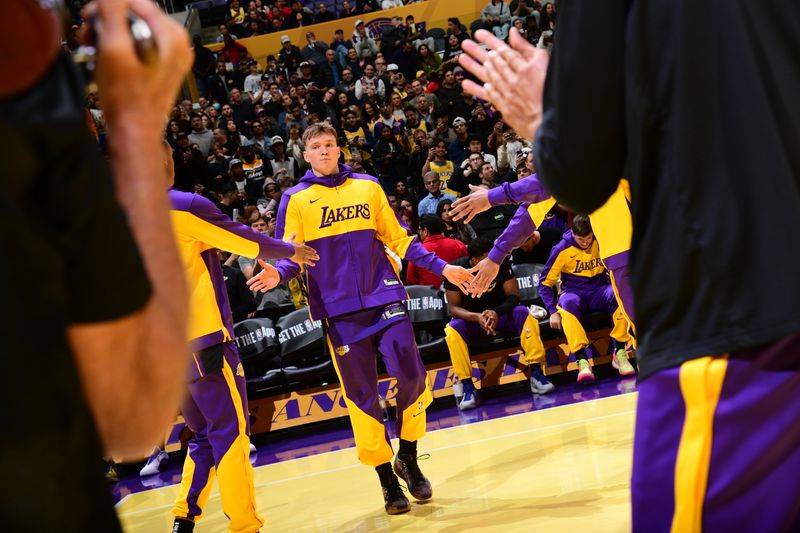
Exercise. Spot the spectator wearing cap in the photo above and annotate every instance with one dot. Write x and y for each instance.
(323, 15)
(252, 83)
(364, 41)
(290, 55)
(369, 85)
(314, 50)
(458, 150)
(340, 46)
(282, 163)
(392, 36)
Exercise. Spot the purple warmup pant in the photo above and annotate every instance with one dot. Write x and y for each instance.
(717, 444)
(355, 340)
(216, 411)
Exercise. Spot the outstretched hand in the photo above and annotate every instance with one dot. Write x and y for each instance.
(513, 77)
(303, 255)
(458, 276)
(477, 201)
(485, 272)
(265, 280)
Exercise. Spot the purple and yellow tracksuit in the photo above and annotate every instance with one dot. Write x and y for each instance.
(585, 287)
(216, 407)
(612, 226)
(355, 289)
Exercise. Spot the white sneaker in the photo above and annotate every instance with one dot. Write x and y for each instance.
(153, 464)
(252, 448)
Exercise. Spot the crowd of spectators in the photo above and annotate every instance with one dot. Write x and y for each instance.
(395, 98)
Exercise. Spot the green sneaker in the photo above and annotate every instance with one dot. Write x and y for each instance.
(620, 361)
(584, 371)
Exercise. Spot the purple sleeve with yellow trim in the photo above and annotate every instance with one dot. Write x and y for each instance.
(550, 275)
(287, 268)
(525, 190)
(517, 232)
(217, 230)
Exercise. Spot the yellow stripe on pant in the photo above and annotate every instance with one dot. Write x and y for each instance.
(414, 416)
(573, 330)
(369, 433)
(238, 498)
(701, 385)
(181, 508)
(459, 353)
(531, 341)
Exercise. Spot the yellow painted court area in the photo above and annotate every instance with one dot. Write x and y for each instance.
(560, 469)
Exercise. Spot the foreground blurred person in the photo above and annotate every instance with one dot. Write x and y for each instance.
(95, 340)
(717, 442)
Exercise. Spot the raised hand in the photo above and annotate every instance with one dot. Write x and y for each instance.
(513, 77)
(485, 272)
(458, 276)
(303, 255)
(265, 280)
(468, 206)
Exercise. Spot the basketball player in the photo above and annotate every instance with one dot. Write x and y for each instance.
(355, 289)
(715, 211)
(216, 407)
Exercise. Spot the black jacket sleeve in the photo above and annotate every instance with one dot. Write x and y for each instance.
(580, 144)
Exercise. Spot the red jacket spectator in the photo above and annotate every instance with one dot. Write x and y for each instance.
(430, 231)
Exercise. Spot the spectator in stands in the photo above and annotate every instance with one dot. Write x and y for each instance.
(314, 50)
(222, 138)
(282, 164)
(220, 83)
(369, 85)
(427, 59)
(203, 66)
(364, 42)
(259, 140)
(437, 162)
(388, 156)
(455, 27)
(347, 9)
(452, 49)
(340, 46)
(407, 213)
(392, 36)
(330, 71)
(223, 32)
(585, 287)
(447, 249)
(429, 204)
(389, 4)
(290, 55)
(367, 6)
(218, 164)
(495, 311)
(449, 92)
(200, 136)
(413, 33)
(236, 15)
(232, 51)
(354, 64)
(458, 150)
(407, 59)
(173, 129)
(522, 8)
(323, 15)
(455, 229)
(255, 172)
(497, 17)
(243, 111)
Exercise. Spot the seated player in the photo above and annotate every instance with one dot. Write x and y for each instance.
(585, 287)
(496, 311)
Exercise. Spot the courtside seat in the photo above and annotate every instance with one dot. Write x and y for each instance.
(304, 357)
(257, 343)
(427, 311)
(527, 275)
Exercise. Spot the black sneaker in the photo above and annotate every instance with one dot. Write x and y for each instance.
(394, 500)
(406, 467)
(183, 525)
